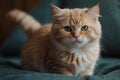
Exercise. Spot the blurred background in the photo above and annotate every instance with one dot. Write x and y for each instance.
(7, 27)
(11, 36)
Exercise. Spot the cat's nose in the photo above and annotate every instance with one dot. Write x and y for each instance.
(76, 37)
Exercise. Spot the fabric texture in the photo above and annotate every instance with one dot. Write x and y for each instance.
(106, 69)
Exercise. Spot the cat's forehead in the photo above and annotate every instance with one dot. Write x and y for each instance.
(75, 12)
(75, 16)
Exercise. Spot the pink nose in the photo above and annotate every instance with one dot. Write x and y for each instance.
(76, 37)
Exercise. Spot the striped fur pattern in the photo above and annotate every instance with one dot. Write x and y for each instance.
(28, 23)
(70, 45)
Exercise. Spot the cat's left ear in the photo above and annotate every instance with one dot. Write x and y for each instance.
(58, 14)
(94, 12)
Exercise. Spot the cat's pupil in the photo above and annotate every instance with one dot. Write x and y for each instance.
(84, 28)
(68, 28)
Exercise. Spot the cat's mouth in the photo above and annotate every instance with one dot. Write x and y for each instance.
(74, 42)
(78, 41)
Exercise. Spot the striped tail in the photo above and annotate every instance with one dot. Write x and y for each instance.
(28, 23)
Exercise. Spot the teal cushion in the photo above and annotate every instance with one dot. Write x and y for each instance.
(13, 44)
(107, 69)
(110, 20)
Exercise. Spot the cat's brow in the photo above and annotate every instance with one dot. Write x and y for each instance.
(76, 18)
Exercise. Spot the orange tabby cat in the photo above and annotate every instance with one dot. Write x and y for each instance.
(70, 45)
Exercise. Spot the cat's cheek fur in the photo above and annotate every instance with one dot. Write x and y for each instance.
(93, 37)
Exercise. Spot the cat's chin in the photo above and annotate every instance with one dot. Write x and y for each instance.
(66, 44)
(78, 44)
(75, 43)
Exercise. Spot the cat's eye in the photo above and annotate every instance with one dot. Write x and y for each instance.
(68, 28)
(84, 28)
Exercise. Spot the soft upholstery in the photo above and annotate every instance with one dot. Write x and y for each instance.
(106, 68)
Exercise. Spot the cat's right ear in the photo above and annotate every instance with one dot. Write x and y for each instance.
(58, 14)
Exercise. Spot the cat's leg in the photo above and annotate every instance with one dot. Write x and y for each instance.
(61, 71)
(67, 73)
(58, 68)
(88, 71)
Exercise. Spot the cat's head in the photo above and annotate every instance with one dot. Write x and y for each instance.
(76, 27)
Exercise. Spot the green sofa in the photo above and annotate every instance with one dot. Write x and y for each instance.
(108, 66)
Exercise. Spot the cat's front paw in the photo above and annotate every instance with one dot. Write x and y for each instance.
(86, 72)
(68, 73)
